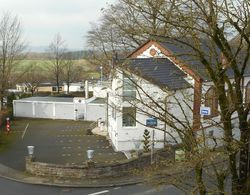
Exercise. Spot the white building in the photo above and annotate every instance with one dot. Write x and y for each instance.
(152, 81)
(77, 108)
(73, 87)
(23, 87)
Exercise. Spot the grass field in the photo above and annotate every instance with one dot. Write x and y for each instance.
(88, 69)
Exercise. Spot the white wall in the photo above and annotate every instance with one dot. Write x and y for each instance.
(95, 112)
(39, 109)
(82, 109)
(22, 109)
(125, 138)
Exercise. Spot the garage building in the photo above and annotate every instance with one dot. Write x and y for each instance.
(60, 108)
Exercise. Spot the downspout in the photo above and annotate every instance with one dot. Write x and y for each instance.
(197, 104)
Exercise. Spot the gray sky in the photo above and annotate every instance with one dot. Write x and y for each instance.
(42, 19)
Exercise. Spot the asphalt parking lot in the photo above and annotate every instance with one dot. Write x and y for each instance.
(55, 141)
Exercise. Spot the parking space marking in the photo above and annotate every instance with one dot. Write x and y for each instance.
(24, 132)
(67, 147)
(101, 192)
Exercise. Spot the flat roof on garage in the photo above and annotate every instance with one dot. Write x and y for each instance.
(48, 99)
(98, 101)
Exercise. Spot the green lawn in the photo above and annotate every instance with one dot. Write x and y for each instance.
(6, 139)
(88, 70)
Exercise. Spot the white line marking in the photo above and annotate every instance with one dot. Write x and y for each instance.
(101, 192)
(117, 188)
(25, 130)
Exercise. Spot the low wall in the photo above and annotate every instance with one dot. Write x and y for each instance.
(88, 170)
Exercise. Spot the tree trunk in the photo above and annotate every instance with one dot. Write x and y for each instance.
(57, 83)
(220, 182)
(243, 161)
(1, 99)
(68, 88)
(199, 179)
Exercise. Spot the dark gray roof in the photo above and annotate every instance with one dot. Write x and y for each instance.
(48, 99)
(49, 85)
(187, 55)
(159, 71)
(190, 58)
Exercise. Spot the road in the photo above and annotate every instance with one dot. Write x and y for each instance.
(14, 188)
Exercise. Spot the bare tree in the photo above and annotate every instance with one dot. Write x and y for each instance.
(123, 28)
(34, 77)
(56, 64)
(203, 31)
(11, 48)
(72, 71)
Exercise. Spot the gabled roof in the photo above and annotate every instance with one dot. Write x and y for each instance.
(48, 85)
(159, 71)
(164, 50)
(186, 58)
(211, 53)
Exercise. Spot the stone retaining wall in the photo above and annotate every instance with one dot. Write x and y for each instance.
(88, 170)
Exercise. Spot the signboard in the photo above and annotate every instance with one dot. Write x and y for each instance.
(205, 111)
(151, 122)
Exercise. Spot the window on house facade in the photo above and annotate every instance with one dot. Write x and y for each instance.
(247, 93)
(128, 116)
(54, 88)
(211, 101)
(129, 88)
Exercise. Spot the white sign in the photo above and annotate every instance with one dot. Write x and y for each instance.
(205, 111)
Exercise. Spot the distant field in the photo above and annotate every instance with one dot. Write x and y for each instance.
(89, 70)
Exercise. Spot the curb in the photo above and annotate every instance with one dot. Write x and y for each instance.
(54, 184)
(18, 176)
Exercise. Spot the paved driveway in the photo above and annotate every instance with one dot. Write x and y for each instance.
(56, 141)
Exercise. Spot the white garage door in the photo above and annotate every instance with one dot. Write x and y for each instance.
(23, 109)
(43, 110)
(64, 111)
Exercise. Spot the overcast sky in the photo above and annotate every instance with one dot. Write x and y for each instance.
(42, 19)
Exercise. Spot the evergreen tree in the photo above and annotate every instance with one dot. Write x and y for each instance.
(146, 141)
